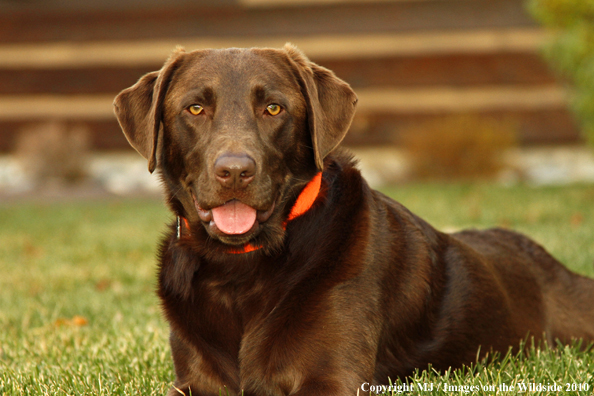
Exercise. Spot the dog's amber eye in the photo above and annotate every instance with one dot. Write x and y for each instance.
(273, 109)
(195, 109)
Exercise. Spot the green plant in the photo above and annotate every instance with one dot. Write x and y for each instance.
(571, 50)
(458, 147)
(54, 152)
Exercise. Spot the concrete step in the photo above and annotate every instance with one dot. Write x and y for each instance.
(127, 174)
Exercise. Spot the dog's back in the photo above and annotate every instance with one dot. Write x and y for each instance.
(565, 298)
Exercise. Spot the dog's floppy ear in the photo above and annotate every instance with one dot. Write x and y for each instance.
(330, 104)
(139, 109)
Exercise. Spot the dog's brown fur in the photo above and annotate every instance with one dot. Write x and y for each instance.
(357, 289)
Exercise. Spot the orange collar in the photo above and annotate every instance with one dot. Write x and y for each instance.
(304, 202)
(306, 199)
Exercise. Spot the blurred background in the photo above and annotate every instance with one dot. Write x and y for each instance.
(448, 89)
(472, 113)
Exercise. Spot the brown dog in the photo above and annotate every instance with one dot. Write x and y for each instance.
(285, 273)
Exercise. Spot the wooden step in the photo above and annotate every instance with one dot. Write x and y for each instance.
(105, 134)
(456, 69)
(187, 20)
(461, 99)
(535, 127)
(152, 53)
(474, 69)
(409, 61)
(541, 112)
(551, 126)
(70, 81)
(413, 100)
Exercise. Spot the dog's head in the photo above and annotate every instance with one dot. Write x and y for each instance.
(236, 134)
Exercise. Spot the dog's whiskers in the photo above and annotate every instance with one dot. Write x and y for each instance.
(174, 195)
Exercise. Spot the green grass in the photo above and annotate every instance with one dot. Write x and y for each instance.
(64, 264)
(91, 260)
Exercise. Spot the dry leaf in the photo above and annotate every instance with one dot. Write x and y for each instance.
(79, 321)
(75, 321)
(577, 219)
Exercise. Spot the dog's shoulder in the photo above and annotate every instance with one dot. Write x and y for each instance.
(352, 199)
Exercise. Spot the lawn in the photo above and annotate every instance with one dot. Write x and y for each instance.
(79, 316)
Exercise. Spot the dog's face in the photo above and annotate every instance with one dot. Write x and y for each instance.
(236, 134)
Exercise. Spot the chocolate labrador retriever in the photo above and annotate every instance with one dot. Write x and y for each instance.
(285, 274)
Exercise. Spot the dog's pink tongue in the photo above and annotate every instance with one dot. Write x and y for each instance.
(234, 217)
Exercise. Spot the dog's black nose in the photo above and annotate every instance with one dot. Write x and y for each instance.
(235, 170)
